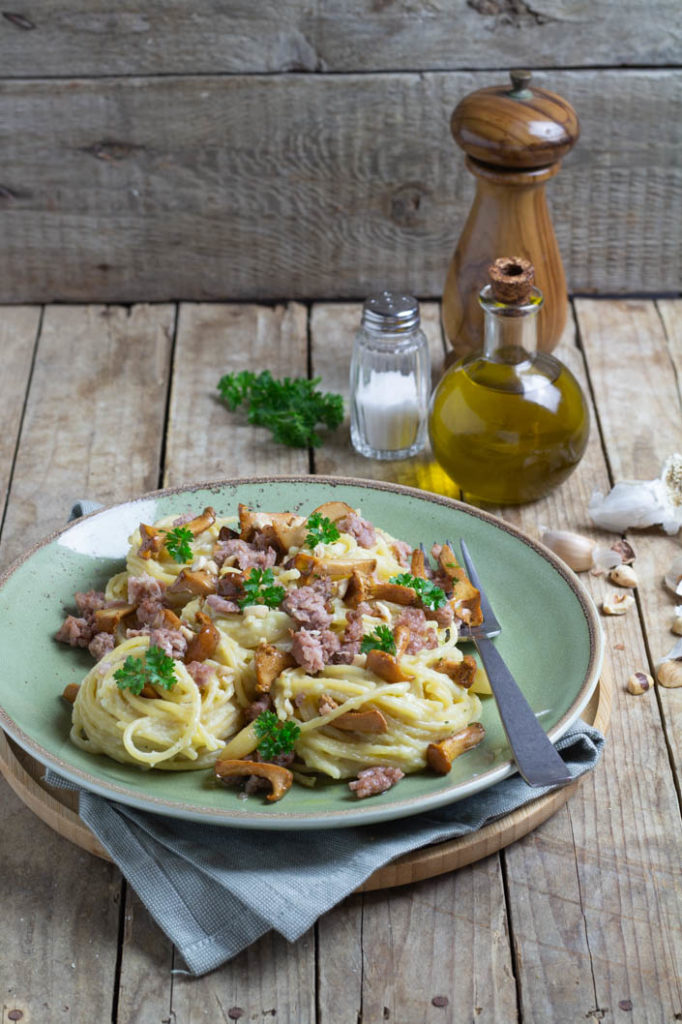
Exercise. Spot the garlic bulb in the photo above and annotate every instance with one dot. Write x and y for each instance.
(641, 503)
(578, 552)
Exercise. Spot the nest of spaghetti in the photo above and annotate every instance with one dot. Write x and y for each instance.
(276, 647)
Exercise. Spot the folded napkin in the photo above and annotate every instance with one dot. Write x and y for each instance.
(214, 890)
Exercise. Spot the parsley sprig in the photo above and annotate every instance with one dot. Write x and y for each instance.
(275, 737)
(381, 639)
(428, 593)
(260, 588)
(290, 408)
(178, 543)
(156, 668)
(320, 530)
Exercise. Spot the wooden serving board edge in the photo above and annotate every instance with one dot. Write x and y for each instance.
(59, 809)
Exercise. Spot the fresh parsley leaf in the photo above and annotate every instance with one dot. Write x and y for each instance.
(290, 408)
(320, 530)
(275, 737)
(428, 593)
(260, 588)
(160, 668)
(381, 639)
(178, 543)
(156, 667)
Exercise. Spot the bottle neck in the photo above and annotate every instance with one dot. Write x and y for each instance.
(510, 331)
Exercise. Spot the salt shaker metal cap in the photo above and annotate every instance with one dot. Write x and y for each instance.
(389, 379)
(390, 312)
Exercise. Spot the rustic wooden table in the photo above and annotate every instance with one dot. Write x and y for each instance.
(579, 920)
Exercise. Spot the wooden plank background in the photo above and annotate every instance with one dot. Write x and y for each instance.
(300, 150)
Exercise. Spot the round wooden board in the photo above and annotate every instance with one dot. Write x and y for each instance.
(58, 808)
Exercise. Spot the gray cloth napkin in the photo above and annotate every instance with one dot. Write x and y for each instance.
(214, 890)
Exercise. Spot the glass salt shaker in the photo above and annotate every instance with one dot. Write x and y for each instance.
(389, 379)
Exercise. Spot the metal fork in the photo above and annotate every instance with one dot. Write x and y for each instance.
(538, 761)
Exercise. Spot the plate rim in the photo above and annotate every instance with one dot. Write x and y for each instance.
(353, 816)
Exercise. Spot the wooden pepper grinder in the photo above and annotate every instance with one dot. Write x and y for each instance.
(514, 139)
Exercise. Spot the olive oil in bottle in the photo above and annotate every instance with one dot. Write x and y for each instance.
(510, 423)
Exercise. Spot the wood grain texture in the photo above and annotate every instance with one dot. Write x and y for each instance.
(271, 187)
(386, 956)
(95, 38)
(205, 440)
(18, 334)
(631, 333)
(579, 885)
(60, 909)
(108, 363)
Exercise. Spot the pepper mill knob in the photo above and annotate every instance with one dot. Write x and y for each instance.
(514, 136)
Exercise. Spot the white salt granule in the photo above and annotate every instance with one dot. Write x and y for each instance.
(388, 409)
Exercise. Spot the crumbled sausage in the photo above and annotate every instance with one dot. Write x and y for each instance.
(314, 650)
(361, 529)
(375, 780)
(307, 606)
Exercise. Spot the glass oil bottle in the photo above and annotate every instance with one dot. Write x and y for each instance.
(510, 423)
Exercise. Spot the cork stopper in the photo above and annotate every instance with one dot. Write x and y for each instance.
(511, 279)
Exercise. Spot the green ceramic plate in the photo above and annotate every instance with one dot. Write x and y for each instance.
(551, 640)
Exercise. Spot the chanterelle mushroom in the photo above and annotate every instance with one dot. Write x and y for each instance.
(280, 778)
(440, 756)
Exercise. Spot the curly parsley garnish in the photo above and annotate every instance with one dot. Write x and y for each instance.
(275, 737)
(260, 588)
(381, 639)
(428, 593)
(178, 543)
(290, 408)
(320, 530)
(156, 668)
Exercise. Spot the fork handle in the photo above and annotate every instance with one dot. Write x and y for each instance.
(538, 761)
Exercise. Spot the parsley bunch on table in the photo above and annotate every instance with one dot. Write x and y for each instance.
(428, 593)
(290, 408)
(320, 530)
(275, 737)
(155, 668)
(260, 588)
(380, 639)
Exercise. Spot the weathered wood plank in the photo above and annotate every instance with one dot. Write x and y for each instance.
(107, 363)
(388, 955)
(205, 440)
(272, 980)
(91, 38)
(18, 333)
(261, 187)
(617, 337)
(578, 891)
(332, 328)
(60, 905)
(592, 891)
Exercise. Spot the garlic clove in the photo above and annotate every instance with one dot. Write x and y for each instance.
(573, 549)
(669, 668)
(624, 576)
(617, 604)
(677, 625)
(673, 577)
